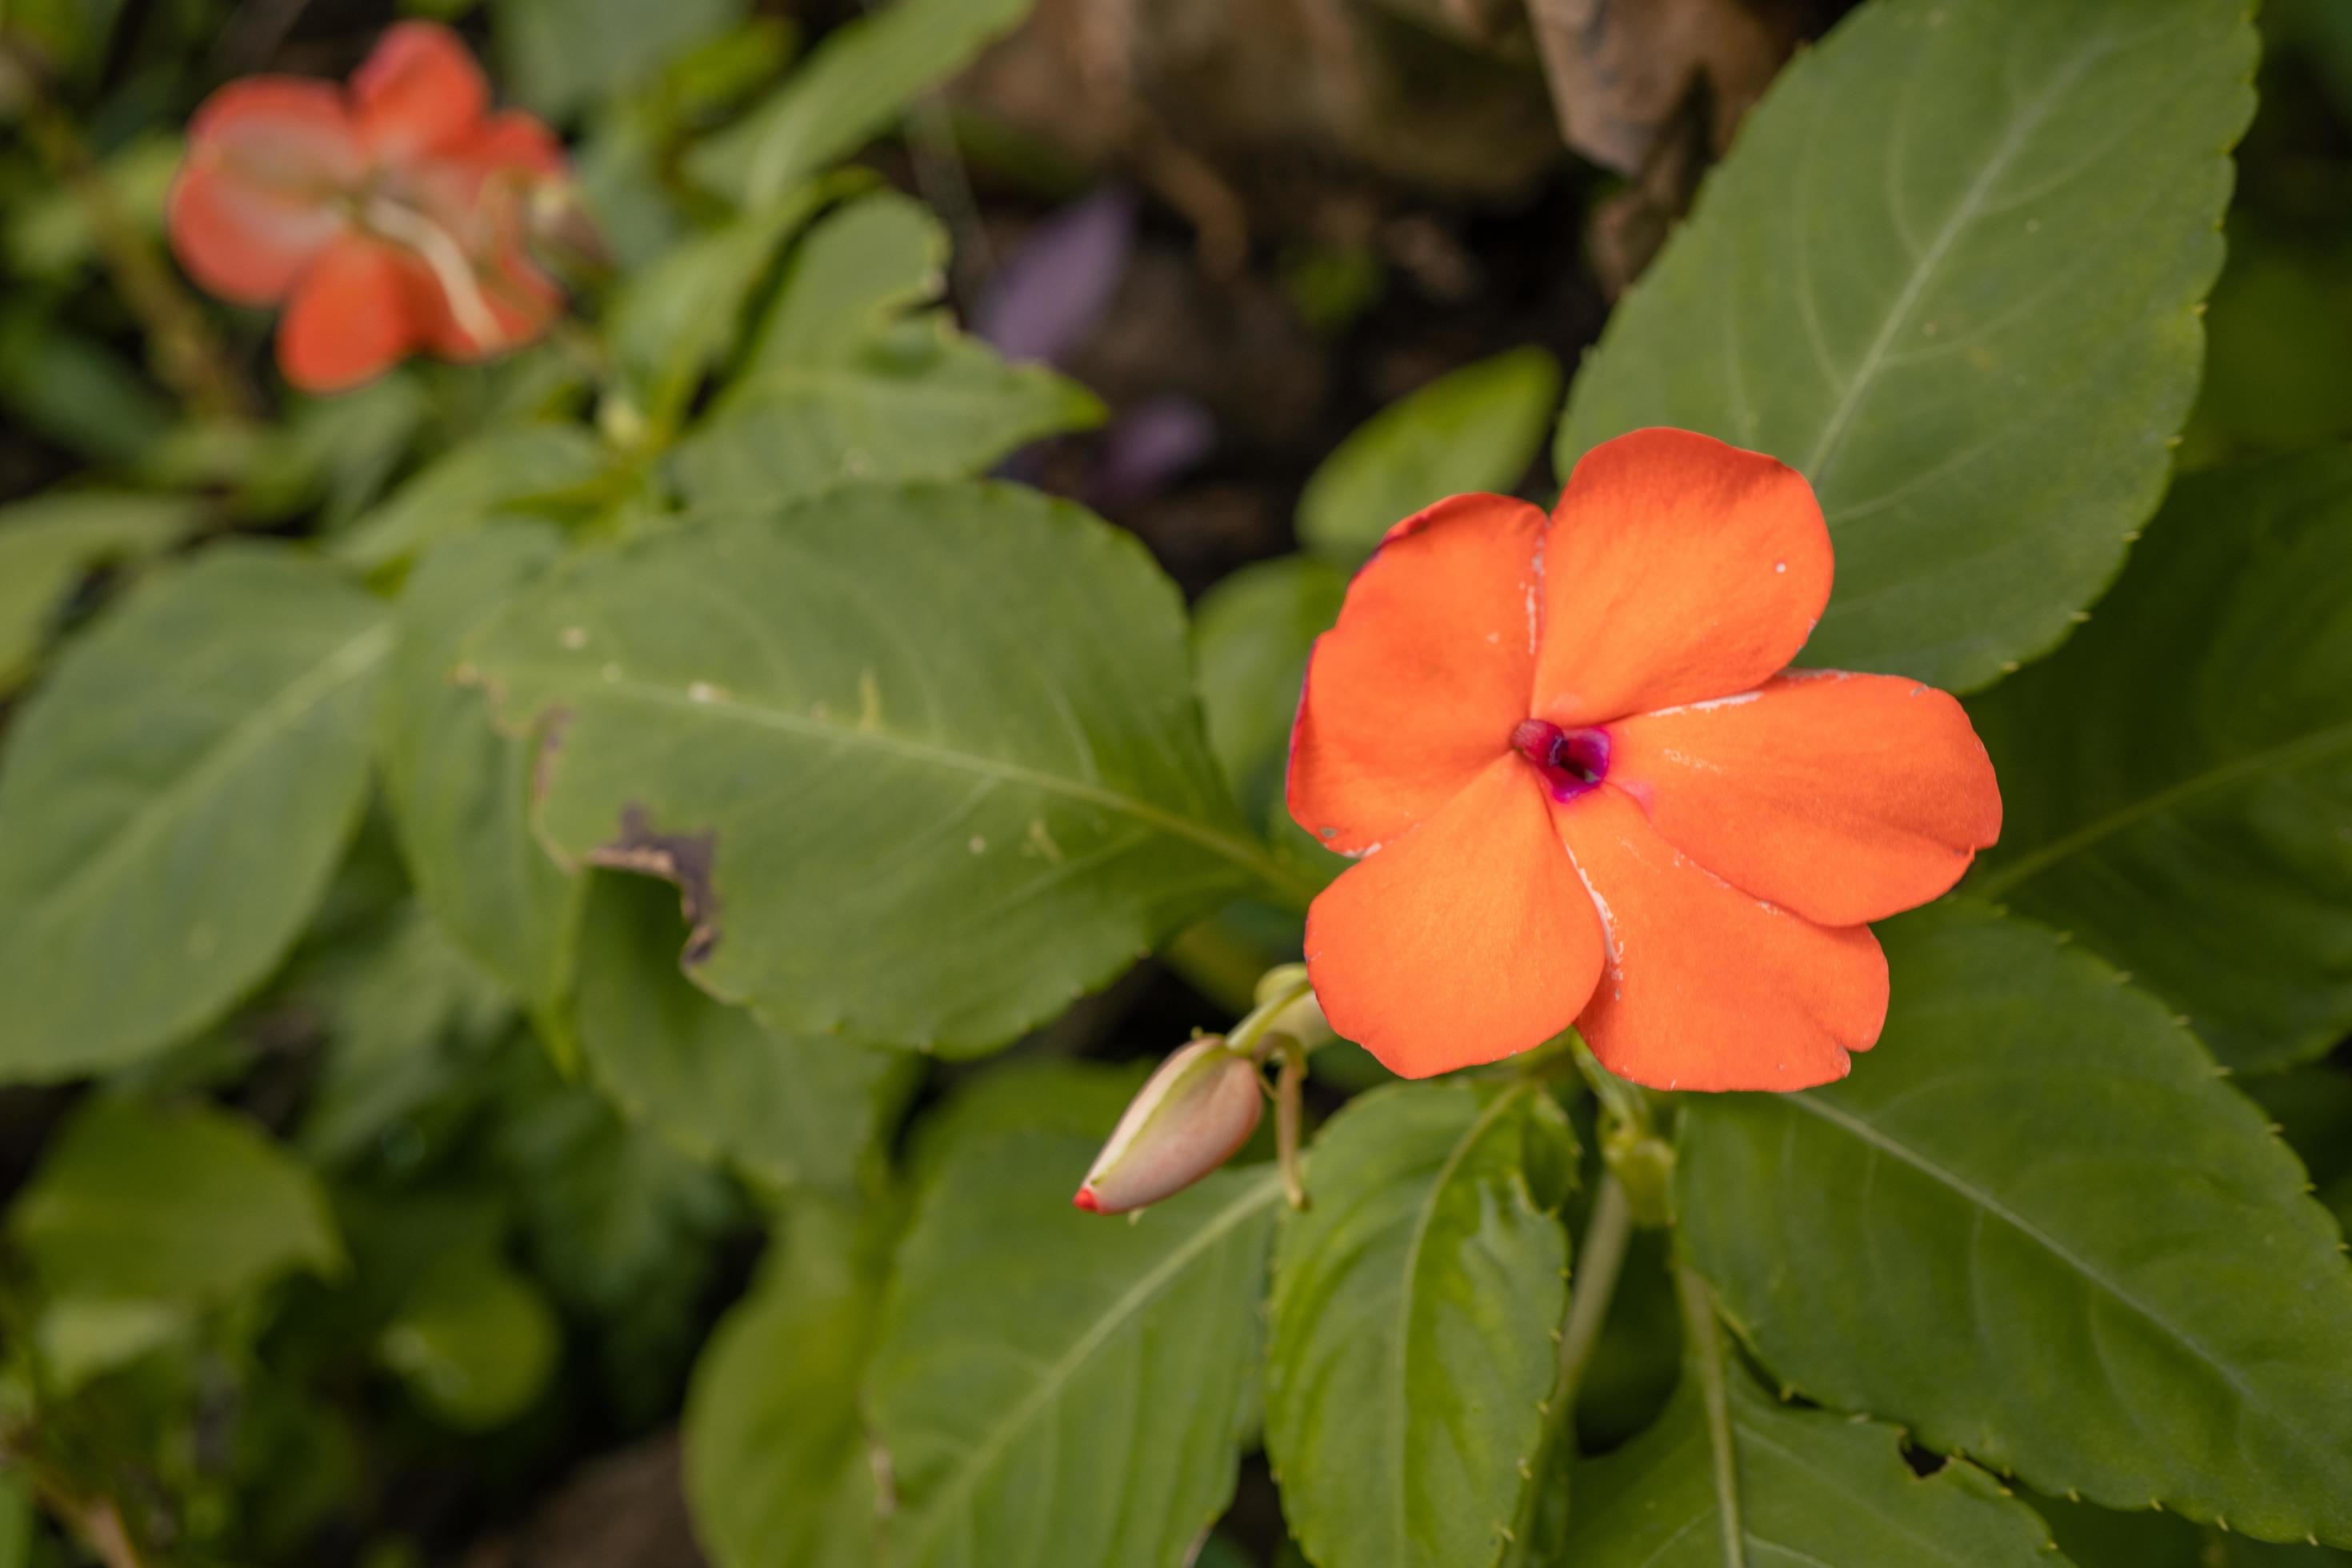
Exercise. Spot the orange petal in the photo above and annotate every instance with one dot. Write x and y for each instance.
(1419, 685)
(1676, 569)
(419, 91)
(1707, 987)
(511, 304)
(1466, 939)
(268, 159)
(1843, 797)
(353, 315)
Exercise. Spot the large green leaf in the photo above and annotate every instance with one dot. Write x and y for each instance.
(48, 543)
(185, 1206)
(459, 790)
(782, 1109)
(920, 401)
(925, 759)
(2037, 1228)
(1805, 1486)
(1951, 271)
(471, 483)
(1415, 1314)
(1475, 430)
(173, 801)
(779, 1467)
(852, 89)
(2177, 778)
(1054, 1387)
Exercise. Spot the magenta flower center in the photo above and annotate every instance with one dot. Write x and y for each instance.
(1570, 761)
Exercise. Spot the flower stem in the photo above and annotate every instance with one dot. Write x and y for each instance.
(1288, 1090)
(1704, 1359)
(1599, 1263)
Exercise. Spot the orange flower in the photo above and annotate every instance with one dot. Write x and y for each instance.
(1598, 798)
(391, 217)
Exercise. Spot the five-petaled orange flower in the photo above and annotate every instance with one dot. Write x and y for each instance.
(1587, 790)
(391, 217)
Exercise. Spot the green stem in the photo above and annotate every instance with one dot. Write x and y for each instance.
(1599, 1263)
(1704, 1358)
(1289, 1089)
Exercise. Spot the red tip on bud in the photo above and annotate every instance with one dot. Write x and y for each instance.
(1190, 1118)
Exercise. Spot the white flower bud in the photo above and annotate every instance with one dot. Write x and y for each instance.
(1189, 1119)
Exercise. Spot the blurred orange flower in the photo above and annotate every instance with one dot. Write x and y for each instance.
(1597, 796)
(390, 218)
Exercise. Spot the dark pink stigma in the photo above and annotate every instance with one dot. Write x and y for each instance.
(1570, 761)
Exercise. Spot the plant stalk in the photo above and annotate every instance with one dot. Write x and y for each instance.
(1599, 1261)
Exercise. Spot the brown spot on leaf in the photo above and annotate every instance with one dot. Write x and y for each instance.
(682, 858)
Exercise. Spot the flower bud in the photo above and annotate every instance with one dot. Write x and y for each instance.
(1190, 1116)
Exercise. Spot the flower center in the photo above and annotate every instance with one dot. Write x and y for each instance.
(1570, 761)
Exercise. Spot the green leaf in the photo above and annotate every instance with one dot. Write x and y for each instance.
(922, 402)
(784, 1110)
(75, 391)
(677, 318)
(84, 1338)
(182, 1205)
(622, 1225)
(1251, 637)
(48, 544)
(393, 1007)
(465, 486)
(1475, 430)
(837, 387)
(1415, 1314)
(925, 759)
(1054, 1387)
(1952, 272)
(173, 801)
(2176, 780)
(474, 1338)
(2100, 1538)
(1808, 1486)
(561, 55)
(2036, 1228)
(850, 89)
(459, 790)
(859, 270)
(779, 1467)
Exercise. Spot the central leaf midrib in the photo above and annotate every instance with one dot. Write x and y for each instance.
(983, 1455)
(1929, 261)
(1873, 1137)
(1408, 1294)
(2303, 748)
(306, 691)
(1257, 862)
